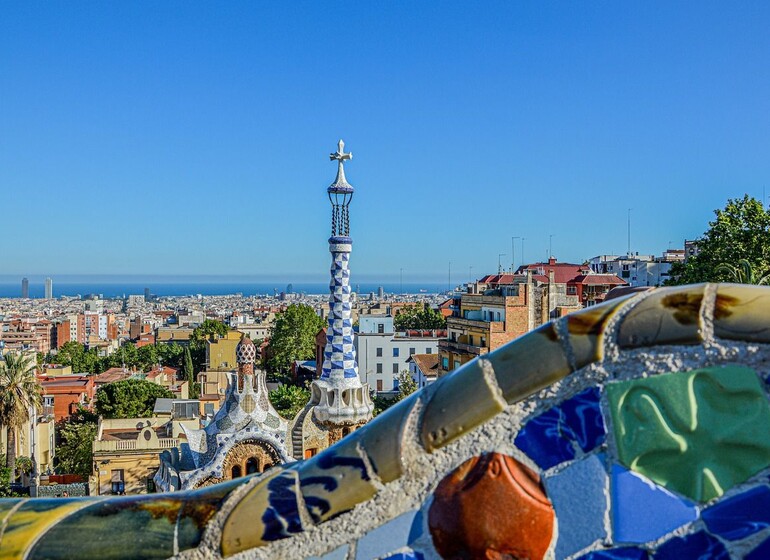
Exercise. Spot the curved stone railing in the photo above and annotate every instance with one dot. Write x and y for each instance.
(638, 427)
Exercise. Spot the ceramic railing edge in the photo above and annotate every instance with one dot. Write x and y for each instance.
(253, 512)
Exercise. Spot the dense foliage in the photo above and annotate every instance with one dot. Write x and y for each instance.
(293, 337)
(288, 400)
(416, 318)
(131, 398)
(19, 390)
(740, 232)
(74, 450)
(81, 360)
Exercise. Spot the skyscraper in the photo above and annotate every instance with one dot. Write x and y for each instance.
(25, 288)
(48, 288)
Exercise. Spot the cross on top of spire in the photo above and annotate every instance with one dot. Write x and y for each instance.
(340, 184)
(340, 154)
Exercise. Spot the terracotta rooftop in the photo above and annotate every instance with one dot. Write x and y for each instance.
(427, 363)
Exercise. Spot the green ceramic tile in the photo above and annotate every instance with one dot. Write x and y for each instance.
(131, 527)
(697, 432)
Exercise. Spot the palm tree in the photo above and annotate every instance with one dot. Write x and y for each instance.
(744, 273)
(19, 390)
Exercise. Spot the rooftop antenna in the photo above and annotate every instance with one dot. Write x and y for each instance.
(629, 232)
(550, 246)
(500, 263)
(449, 278)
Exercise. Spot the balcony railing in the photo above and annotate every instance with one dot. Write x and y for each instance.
(134, 445)
(452, 346)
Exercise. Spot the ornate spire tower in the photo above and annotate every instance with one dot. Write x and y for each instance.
(339, 395)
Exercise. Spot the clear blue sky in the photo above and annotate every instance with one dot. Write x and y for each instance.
(193, 138)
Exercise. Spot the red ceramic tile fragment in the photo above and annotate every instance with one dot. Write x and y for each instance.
(491, 507)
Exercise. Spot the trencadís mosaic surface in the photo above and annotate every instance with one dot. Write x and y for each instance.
(637, 429)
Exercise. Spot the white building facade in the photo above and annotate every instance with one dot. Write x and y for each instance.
(383, 353)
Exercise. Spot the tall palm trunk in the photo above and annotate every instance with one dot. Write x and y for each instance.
(10, 454)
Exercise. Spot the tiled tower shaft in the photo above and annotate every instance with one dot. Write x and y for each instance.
(339, 353)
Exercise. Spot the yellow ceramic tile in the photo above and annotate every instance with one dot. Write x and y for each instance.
(742, 312)
(335, 481)
(32, 519)
(586, 330)
(269, 512)
(382, 439)
(461, 401)
(667, 316)
(529, 363)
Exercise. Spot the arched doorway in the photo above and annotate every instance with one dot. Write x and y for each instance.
(250, 456)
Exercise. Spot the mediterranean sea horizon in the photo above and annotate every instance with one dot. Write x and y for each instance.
(113, 288)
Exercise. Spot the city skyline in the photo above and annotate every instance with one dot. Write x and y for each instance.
(147, 138)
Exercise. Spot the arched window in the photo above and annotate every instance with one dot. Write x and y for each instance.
(236, 472)
(252, 466)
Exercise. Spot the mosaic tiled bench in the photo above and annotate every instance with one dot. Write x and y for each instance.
(635, 429)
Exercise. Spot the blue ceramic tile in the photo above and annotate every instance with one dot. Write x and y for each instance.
(417, 529)
(405, 555)
(386, 538)
(643, 511)
(552, 437)
(583, 417)
(625, 553)
(740, 516)
(578, 494)
(698, 546)
(762, 552)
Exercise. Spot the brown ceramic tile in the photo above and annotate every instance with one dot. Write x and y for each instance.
(741, 312)
(529, 363)
(667, 316)
(199, 508)
(462, 401)
(586, 330)
(491, 506)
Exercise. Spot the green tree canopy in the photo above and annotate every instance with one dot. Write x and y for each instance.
(293, 337)
(19, 390)
(740, 232)
(207, 328)
(74, 453)
(417, 318)
(406, 385)
(81, 360)
(131, 398)
(288, 400)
